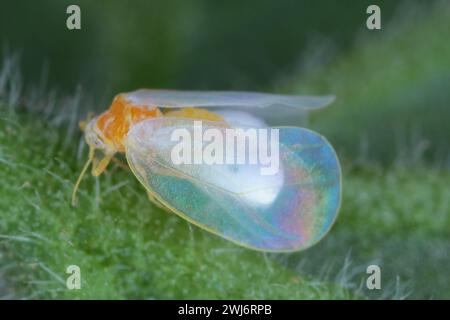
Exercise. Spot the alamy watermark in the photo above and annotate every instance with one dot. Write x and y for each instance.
(374, 279)
(73, 281)
(73, 21)
(229, 146)
(373, 22)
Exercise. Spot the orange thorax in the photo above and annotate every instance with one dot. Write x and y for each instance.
(116, 121)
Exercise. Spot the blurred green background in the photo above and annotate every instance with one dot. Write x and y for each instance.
(183, 44)
(290, 46)
(389, 124)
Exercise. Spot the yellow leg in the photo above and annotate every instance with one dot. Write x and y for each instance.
(99, 166)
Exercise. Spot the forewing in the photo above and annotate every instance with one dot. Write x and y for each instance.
(265, 105)
(289, 210)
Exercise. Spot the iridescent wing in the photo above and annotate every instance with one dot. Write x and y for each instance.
(265, 105)
(286, 211)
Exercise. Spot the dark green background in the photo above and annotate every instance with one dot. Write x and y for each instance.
(194, 44)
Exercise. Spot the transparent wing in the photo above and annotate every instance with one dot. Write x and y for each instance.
(264, 104)
(285, 211)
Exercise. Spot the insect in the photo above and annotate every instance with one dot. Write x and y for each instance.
(286, 211)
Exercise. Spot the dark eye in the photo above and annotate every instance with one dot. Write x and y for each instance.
(98, 143)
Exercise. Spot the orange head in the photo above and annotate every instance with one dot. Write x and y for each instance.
(107, 132)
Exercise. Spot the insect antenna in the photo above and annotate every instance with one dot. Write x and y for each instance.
(80, 177)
